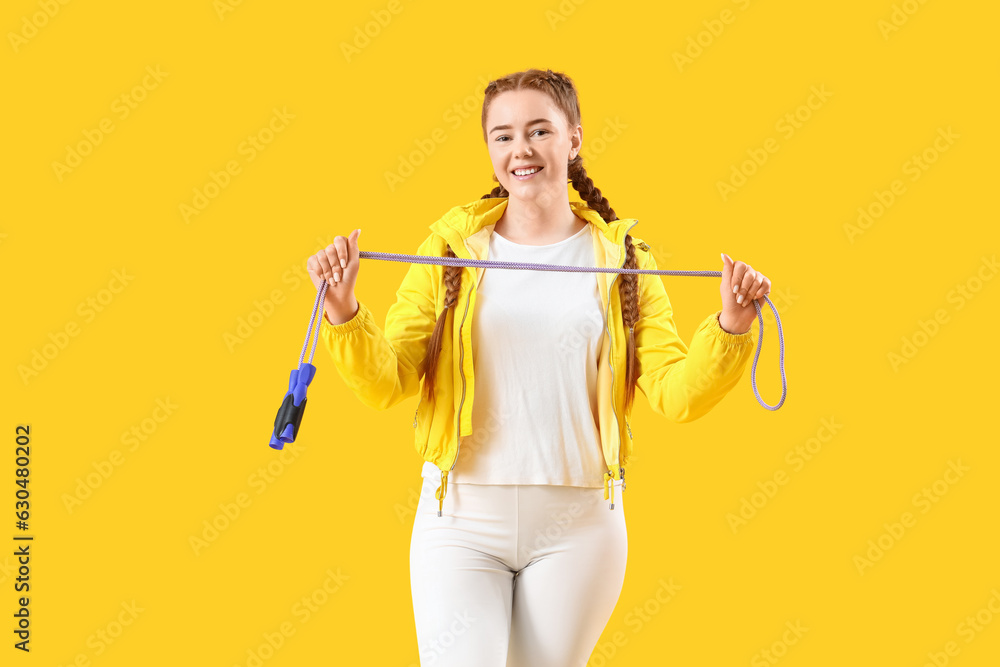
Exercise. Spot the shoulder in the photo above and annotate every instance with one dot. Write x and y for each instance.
(640, 244)
(643, 254)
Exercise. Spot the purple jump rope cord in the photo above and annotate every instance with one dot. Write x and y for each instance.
(458, 261)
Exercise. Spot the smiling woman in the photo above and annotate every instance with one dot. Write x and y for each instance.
(521, 563)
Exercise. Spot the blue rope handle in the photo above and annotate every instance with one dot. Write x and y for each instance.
(493, 264)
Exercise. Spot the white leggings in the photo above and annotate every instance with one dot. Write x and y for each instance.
(515, 575)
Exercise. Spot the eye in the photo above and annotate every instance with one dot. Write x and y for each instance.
(504, 136)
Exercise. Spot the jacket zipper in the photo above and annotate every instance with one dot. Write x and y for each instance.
(621, 469)
(458, 417)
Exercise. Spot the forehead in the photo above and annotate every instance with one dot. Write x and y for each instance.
(518, 106)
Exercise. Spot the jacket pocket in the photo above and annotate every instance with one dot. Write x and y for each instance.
(422, 424)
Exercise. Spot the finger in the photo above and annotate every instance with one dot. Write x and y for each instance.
(314, 267)
(324, 262)
(765, 286)
(353, 243)
(343, 252)
(749, 276)
(334, 252)
(739, 270)
(752, 291)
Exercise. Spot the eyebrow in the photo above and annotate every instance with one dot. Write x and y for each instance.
(532, 122)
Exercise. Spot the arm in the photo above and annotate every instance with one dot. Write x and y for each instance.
(684, 384)
(384, 368)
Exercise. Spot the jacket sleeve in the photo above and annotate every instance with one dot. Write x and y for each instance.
(683, 384)
(380, 368)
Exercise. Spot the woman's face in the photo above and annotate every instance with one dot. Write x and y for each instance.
(516, 140)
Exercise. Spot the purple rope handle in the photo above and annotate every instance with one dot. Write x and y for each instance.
(320, 295)
(492, 264)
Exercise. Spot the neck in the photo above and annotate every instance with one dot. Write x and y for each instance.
(540, 220)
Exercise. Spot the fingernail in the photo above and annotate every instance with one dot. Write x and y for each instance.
(734, 288)
(343, 263)
(739, 298)
(336, 277)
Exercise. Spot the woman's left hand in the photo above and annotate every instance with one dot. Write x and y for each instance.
(741, 285)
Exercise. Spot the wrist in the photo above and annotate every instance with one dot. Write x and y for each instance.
(730, 326)
(341, 314)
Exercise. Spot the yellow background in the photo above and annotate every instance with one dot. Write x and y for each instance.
(344, 504)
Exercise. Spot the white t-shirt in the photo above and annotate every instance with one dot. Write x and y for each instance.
(536, 341)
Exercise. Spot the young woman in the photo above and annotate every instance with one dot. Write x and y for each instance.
(528, 383)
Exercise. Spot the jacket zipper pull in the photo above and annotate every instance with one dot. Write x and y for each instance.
(610, 482)
(442, 490)
(622, 471)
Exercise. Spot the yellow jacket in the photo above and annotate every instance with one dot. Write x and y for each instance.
(383, 368)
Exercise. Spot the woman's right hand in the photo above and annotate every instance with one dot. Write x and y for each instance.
(337, 264)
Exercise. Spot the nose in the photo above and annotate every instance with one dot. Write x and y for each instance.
(522, 149)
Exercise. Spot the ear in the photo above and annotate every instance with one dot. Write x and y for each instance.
(576, 141)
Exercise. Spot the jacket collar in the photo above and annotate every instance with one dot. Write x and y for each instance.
(465, 221)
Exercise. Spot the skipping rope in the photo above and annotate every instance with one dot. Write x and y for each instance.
(286, 424)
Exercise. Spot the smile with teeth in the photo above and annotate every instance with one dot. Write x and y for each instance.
(523, 174)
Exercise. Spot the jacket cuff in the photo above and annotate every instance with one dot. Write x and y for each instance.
(714, 327)
(350, 325)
